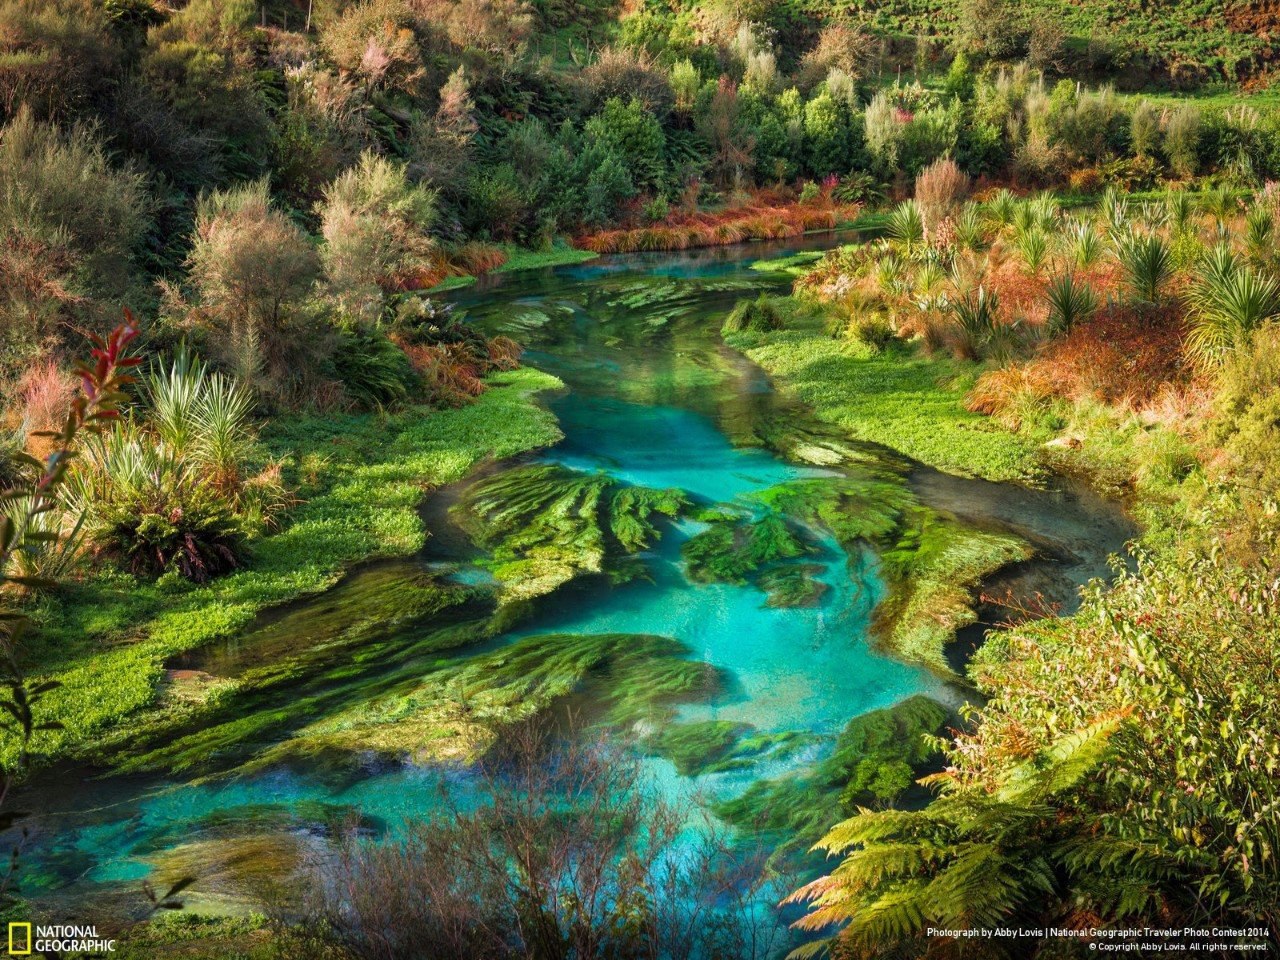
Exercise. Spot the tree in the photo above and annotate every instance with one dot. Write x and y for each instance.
(634, 134)
(375, 225)
(249, 263)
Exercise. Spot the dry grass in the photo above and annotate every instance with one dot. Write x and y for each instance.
(753, 221)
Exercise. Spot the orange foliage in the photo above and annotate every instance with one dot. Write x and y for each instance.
(1120, 356)
(758, 220)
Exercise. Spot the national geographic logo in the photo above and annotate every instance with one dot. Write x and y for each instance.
(26, 939)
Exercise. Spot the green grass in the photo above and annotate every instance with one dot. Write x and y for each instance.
(896, 398)
(521, 258)
(362, 477)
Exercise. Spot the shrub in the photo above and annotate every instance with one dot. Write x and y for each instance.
(1182, 135)
(1144, 129)
(759, 316)
(375, 225)
(374, 372)
(250, 265)
(376, 41)
(976, 322)
(62, 189)
(940, 188)
(151, 511)
(993, 29)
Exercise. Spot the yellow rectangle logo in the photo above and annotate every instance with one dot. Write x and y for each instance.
(23, 947)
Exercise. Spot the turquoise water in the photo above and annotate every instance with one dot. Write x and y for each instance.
(652, 399)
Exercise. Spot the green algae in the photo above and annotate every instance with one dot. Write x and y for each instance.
(933, 570)
(362, 476)
(793, 586)
(715, 746)
(456, 711)
(735, 551)
(693, 748)
(545, 524)
(866, 768)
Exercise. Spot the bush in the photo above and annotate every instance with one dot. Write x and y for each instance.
(250, 266)
(375, 225)
(1182, 140)
(374, 372)
(152, 511)
(940, 188)
(758, 316)
(992, 29)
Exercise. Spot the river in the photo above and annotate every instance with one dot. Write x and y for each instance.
(652, 399)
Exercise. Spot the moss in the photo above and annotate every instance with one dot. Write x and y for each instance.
(895, 398)
(865, 768)
(545, 524)
(363, 476)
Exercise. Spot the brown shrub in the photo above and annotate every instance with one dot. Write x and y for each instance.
(940, 188)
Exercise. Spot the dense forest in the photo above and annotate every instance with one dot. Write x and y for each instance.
(253, 258)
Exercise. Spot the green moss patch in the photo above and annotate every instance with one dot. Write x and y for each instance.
(895, 398)
(875, 760)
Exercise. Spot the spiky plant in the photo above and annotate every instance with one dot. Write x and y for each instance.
(972, 859)
(906, 225)
(1147, 264)
(1219, 203)
(203, 417)
(976, 318)
(971, 232)
(1045, 209)
(1033, 247)
(1001, 209)
(1180, 210)
(1260, 234)
(1071, 302)
(1087, 247)
(1226, 302)
(1115, 212)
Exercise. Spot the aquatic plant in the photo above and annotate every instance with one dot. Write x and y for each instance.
(876, 759)
(546, 524)
(757, 315)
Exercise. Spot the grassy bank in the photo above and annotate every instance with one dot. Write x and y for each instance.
(894, 397)
(522, 258)
(361, 477)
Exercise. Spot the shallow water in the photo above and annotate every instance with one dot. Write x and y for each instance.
(652, 399)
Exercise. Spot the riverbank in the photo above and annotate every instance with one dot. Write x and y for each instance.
(361, 479)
